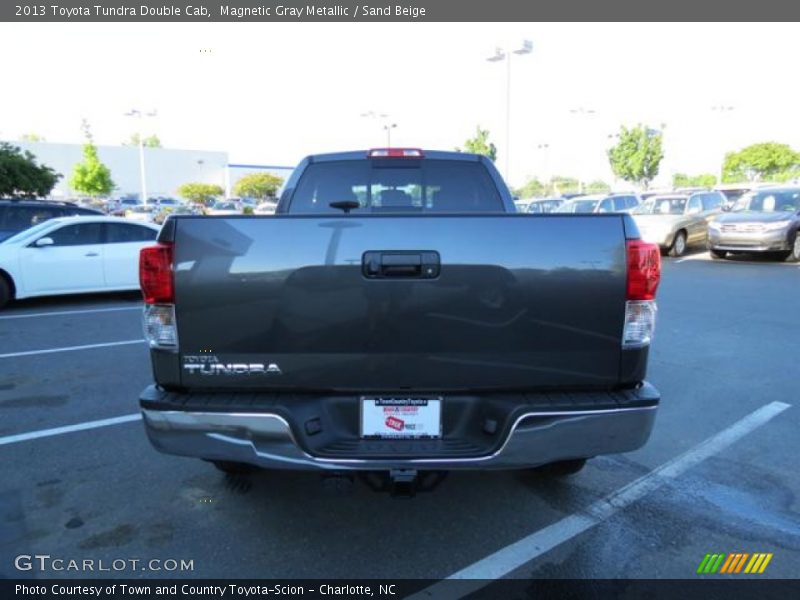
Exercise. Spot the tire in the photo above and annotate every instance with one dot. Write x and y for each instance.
(717, 254)
(794, 254)
(234, 468)
(562, 468)
(678, 247)
(6, 293)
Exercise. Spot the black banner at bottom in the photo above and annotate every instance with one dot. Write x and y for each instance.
(259, 589)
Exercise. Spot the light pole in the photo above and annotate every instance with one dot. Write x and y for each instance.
(582, 111)
(135, 112)
(721, 109)
(501, 54)
(388, 128)
(544, 149)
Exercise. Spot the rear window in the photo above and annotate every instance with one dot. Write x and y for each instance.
(401, 185)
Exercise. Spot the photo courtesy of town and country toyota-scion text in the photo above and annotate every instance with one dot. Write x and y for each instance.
(426, 299)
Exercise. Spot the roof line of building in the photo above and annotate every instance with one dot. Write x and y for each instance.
(258, 166)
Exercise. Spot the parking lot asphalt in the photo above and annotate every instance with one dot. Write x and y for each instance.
(726, 347)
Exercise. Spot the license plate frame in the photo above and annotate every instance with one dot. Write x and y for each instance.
(400, 418)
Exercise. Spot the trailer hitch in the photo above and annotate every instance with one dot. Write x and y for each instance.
(403, 483)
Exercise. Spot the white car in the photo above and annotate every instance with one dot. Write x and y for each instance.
(226, 207)
(73, 255)
(141, 212)
(266, 208)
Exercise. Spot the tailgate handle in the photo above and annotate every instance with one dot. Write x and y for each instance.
(400, 265)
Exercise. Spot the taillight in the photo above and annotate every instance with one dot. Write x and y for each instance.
(155, 279)
(395, 153)
(155, 274)
(644, 270)
(644, 275)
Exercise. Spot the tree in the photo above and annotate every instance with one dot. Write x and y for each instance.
(200, 193)
(480, 144)
(150, 141)
(532, 189)
(20, 175)
(637, 155)
(703, 180)
(560, 184)
(31, 137)
(597, 187)
(763, 161)
(258, 185)
(91, 176)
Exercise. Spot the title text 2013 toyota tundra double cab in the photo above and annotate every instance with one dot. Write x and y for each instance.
(396, 315)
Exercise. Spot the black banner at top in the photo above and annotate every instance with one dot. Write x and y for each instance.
(398, 10)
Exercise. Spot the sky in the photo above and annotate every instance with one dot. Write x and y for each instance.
(271, 93)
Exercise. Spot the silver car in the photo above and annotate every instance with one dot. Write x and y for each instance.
(764, 220)
(677, 221)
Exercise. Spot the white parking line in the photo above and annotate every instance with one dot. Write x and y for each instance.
(69, 348)
(512, 557)
(33, 435)
(67, 312)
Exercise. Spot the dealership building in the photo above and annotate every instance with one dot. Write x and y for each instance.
(165, 169)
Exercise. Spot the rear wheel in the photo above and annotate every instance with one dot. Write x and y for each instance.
(562, 468)
(6, 294)
(678, 247)
(234, 468)
(717, 254)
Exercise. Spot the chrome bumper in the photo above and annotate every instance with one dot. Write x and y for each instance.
(266, 440)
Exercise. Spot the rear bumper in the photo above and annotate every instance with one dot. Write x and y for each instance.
(534, 436)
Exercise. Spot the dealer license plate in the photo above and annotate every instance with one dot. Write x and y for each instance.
(401, 417)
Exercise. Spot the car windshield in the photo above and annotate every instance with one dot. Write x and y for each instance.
(770, 201)
(225, 206)
(661, 205)
(577, 206)
(28, 233)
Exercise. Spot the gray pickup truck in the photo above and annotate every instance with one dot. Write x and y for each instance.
(398, 316)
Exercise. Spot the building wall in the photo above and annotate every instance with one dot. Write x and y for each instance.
(166, 169)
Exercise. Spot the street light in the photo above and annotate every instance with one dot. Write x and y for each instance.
(582, 111)
(722, 109)
(544, 148)
(501, 54)
(135, 112)
(388, 128)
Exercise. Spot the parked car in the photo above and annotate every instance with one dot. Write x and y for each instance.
(763, 220)
(544, 205)
(70, 255)
(521, 205)
(266, 208)
(141, 212)
(161, 213)
(118, 207)
(677, 221)
(166, 201)
(17, 214)
(734, 191)
(600, 203)
(447, 334)
(225, 207)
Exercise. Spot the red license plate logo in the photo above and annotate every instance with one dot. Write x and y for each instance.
(395, 423)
